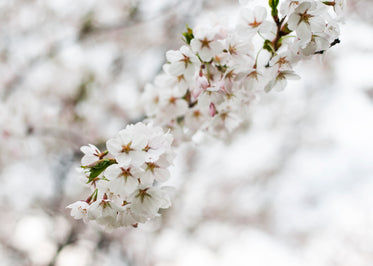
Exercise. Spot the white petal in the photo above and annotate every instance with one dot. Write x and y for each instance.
(280, 84)
(289, 74)
(303, 7)
(260, 13)
(162, 175)
(87, 149)
(310, 49)
(318, 24)
(176, 69)
(304, 32)
(293, 21)
(195, 44)
(173, 56)
(270, 85)
(112, 172)
(206, 54)
(113, 146)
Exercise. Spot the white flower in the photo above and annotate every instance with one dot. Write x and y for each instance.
(125, 217)
(158, 142)
(171, 106)
(207, 86)
(280, 81)
(196, 117)
(306, 20)
(318, 43)
(91, 154)
(156, 170)
(146, 202)
(255, 19)
(282, 61)
(205, 43)
(239, 50)
(79, 210)
(227, 118)
(104, 212)
(122, 180)
(179, 84)
(165, 100)
(182, 63)
(288, 6)
(128, 146)
(252, 79)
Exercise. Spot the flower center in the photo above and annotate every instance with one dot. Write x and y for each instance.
(255, 23)
(142, 194)
(205, 43)
(125, 173)
(305, 17)
(186, 60)
(172, 100)
(151, 166)
(127, 148)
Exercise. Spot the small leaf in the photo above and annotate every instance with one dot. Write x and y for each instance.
(268, 45)
(329, 3)
(188, 35)
(98, 168)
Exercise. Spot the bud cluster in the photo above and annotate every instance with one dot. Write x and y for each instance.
(125, 187)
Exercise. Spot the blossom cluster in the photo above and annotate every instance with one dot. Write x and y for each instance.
(209, 84)
(125, 187)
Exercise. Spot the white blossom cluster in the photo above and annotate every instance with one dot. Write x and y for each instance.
(126, 187)
(207, 85)
(211, 81)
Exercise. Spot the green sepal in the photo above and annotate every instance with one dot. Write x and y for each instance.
(222, 68)
(180, 120)
(329, 3)
(285, 30)
(268, 45)
(188, 35)
(98, 167)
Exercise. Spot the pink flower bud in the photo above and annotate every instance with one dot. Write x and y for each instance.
(212, 110)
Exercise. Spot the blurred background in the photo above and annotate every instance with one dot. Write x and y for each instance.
(295, 188)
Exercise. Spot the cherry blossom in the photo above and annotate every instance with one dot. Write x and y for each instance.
(104, 212)
(208, 85)
(306, 20)
(206, 43)
(280, 80)
(128, 146)
(79, 210)
(255, 19)
(91, 154)
(119, 183)
(146, 202)
(183, 63)
(122, 180)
